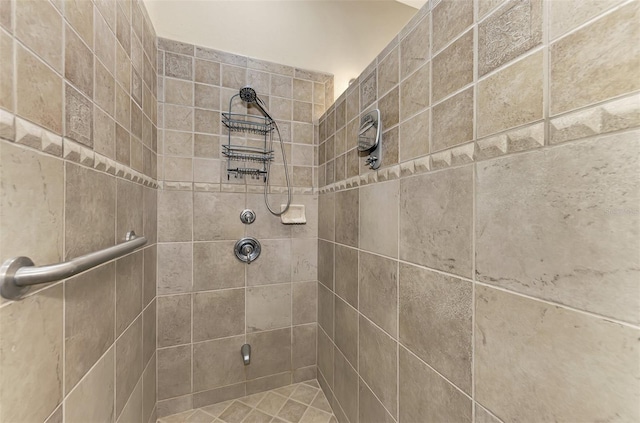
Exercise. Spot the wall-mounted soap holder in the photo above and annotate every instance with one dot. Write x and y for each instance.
(370, 138)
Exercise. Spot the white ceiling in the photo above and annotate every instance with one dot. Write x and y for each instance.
(340, 37)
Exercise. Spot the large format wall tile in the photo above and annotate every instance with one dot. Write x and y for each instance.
(174, 371)
(587, 366)
(426, 396)
(128, 363)
(346, 219)
(346, 279)
(32, 191)
(31, 356)
(435, 321)
(414, 49)
(268, 307)
(379, 218)
(175, 215)
(346, 331)
(562, 224)
(378, 291)
(217, 363)
(452, 121)
(453, 67)
(450, 18)
(596, 62)
(436, 220)
(226, 308)
(215, 266)
(174, 320)
(271, 351)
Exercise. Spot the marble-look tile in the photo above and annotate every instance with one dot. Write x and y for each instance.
(268, 307)
(436, 220)
(435, 321)
(93, 398)
(450, 18)
(215, 266)
(174, 371)
(378, 291)
(584, 194)
(175, 215)
(31, 356)
(414, 48)
(453, 67)
(452, 121)
(509, 32)
(217, 363)
(174, 320)
(216, 216)
(511, 97)
(426, 396)
(379, 218)
(346, 331)
(226, 308)
(89, 320)
(346, 278)
(377, 355)
(596, 62)
(414, 93)
(32, 191)
(273, 348)
(587, 365)
(175, 261)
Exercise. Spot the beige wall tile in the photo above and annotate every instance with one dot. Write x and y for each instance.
(38, 91)
(175, 215)
(268, 307)
(217, 363)
(436, 219)
(389, 109)
(435, 321)
(369, 407)
(305, 302)
(174, 373)
(483, 416)
(128, 363)
(346, 277)
(426, 395)
(378, 291)
(78, 63)
(325, 358)
(414, 137)
(302, 90)
(453, 67)
(177, 91)
(304, 260)
(453, 121)
(346, 386)
(281, 86)
(217, 216)
(104, 38)
(174, 320)
(597, 62)
(207, 72)
(129, 209)
(266, 226)
(567, 15)
(178, 117)
(178, 66)
(326, 217)
(78, 116)
(303, 346)
(178, 169)
(274, 264)
(368, 92)
(93, 398)
(589, 256)
(207, 97)
(31, 357)
(600, 382)
(271, 351)
(346, 331)
(510, 31)
(347, 217)
(132, 410)
(129, 272)
(414, 93)
(325, 263)
(486, 6)
(39, 26)
(149, 390)
(388, 73)
(226, 308)
(511, 97)
(6, 70)
(89, 320)
(325, 309)
(149, 332)
(174, 268)
(414, 49)
(215, 266)
(377, 355)
(450, 18)
(33, 193)
(379, 218)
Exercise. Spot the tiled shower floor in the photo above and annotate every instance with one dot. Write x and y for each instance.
(299, 403)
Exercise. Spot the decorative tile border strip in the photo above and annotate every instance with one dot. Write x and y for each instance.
(23, 132)
(616, 115)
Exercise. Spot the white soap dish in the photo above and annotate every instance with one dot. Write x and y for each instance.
(294, 216)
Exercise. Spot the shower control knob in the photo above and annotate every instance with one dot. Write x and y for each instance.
(247, 216)
(247, 249)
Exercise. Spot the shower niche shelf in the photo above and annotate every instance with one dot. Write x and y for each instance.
(242, 160)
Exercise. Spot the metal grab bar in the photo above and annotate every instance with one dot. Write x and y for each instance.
(19, 273)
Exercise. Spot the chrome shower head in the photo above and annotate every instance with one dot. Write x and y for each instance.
(248, 94)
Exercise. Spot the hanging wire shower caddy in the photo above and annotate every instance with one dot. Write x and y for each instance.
(259, 156)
